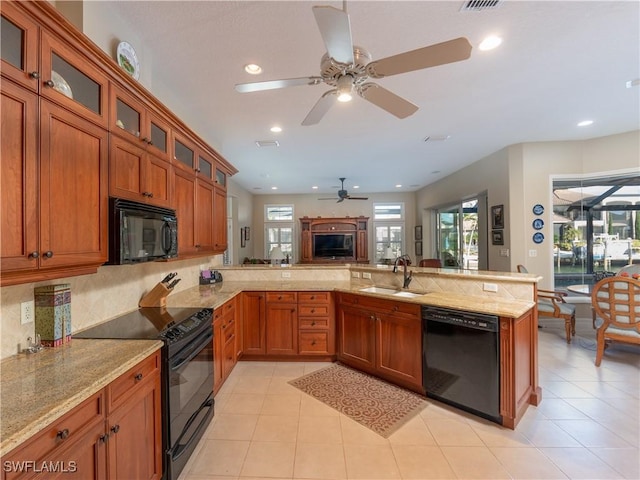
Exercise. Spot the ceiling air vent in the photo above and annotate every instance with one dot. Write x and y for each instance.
(478, 5)
(267, 143)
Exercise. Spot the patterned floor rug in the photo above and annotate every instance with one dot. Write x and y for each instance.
(376, 404)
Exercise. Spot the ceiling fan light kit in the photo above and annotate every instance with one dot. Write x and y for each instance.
(344, 194)
(348, 68)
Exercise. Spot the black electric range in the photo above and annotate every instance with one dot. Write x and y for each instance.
(186, 372)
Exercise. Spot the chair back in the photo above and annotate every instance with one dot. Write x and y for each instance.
(522, 269)
(431, 262)
(617, 301)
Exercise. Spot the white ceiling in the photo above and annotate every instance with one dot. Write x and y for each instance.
(560, 63)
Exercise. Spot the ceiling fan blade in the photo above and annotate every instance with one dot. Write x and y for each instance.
(332, 198)
(439, 54)
(335, 29)
(387, 100)
(273, 84)
(357, 198)
(340, 200)
(321, 107)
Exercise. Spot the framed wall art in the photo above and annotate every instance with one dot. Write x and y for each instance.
(247, 232)
(243, 240)
(497, 216)
(418, 249)
(497, 237)
(418, 232)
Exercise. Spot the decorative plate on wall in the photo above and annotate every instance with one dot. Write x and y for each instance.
(538, 209)
(538, 237)
(128, 60)
(538, 223)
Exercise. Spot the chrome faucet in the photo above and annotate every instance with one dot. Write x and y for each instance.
(407, 277)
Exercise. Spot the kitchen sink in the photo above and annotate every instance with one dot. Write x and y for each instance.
(390, 291)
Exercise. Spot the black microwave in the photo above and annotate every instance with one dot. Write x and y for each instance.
(140, 233)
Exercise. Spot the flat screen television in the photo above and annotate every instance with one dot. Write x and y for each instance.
(333, 245)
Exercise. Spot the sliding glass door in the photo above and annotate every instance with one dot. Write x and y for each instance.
(457, 235)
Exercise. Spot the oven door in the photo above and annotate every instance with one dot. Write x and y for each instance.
(190, 399)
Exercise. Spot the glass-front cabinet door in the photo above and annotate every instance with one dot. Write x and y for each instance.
(132, 119)
(221, 178)
(184, 153)
(70, 80)
(19, 47)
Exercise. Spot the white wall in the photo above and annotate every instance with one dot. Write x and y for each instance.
(242, 217)
(310, 206)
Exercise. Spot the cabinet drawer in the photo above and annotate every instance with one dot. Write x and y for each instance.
(63, 431)
(314, 342)
(320, 323)
(314, 297)
(229, 307)
(125, 385)
(228, 331)
(282, 297)
(313, 310)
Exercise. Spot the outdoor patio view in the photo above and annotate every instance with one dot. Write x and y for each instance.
(596, 225)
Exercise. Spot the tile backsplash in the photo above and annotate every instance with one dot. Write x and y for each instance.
(110, 292)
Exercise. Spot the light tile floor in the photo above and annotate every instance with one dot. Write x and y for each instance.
(587, 427)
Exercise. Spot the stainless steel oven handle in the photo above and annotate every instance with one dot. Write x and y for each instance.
(180, 448)
(193, 351)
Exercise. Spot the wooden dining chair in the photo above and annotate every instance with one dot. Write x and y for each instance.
(616, 301)
(551, 304)
(431, 262)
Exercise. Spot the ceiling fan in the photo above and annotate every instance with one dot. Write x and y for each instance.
(343, 194)
(347, 68)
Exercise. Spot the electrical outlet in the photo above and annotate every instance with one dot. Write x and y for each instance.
(355, 274)
(286, 274)
(366, 275)
(490, 287)
(27, 312)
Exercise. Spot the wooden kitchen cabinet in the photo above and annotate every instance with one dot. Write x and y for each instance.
(19, 52)
(382, 337)
(62, 229)
(281, 323)
(114, 434)
(225, 348)
(253, 323)
(137, 175)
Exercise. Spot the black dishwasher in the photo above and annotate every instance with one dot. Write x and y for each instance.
(461, 355)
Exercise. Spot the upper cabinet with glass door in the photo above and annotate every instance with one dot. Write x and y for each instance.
(69, 79)
(133, 120)
(19, 47)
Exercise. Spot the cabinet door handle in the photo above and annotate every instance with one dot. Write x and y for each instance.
(34, 75)
(146, 140)
(138, 377)
(197, 245)
(150, 194)
(49, 83)
(103, 438)
(115, 428)
(313, 342)
(63, 434)
(34, 254)
(293, 310)
(48, 254)
(372, 317)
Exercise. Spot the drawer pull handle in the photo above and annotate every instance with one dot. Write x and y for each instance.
(63, 434)
(313, 297)
(313, 310)
(313, 324)
(138, 377)
(115, 428)
(313, 342)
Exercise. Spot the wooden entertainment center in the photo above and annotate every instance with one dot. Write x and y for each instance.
(349, 232)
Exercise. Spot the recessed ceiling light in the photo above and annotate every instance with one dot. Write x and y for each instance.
(633, 83)
(276, 129)
(585, 123)
(253, 69)
(315, 187)
(398, 186)
(356, 186)
(274, 188)
(490, 42)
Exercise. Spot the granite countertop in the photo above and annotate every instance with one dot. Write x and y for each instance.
(39, 388)
(213, 296)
